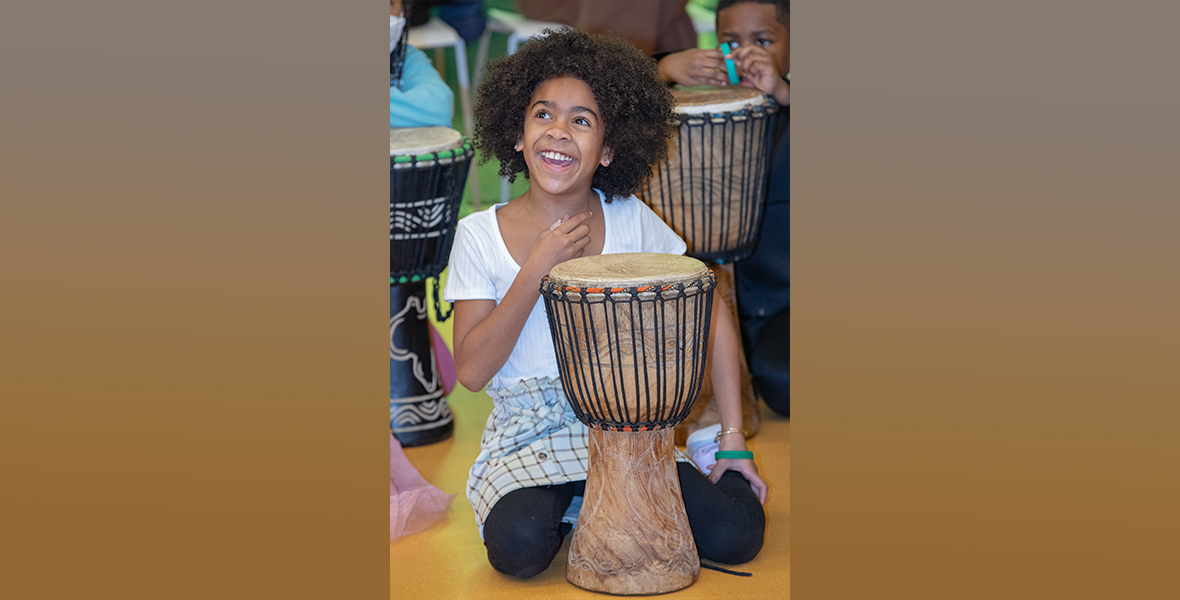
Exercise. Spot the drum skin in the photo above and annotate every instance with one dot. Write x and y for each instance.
(631, 332)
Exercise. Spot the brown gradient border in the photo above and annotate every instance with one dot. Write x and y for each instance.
(192, 254)
(984, 353)
(985, 336)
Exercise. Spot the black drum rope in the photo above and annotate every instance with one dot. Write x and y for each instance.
(588, 373)
(449, 188)
(437, 181)
(710, 146)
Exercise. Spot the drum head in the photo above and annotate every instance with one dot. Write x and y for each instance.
(417, 141)
(638, 269)
(714, 100)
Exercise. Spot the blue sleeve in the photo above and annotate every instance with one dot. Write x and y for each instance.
(424, 99)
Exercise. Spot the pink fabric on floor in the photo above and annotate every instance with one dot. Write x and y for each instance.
(413, 503)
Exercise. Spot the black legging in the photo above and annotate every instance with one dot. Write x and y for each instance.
(770, 363)
(523, 531)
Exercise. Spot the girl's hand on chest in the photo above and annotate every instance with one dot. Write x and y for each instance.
(566, 239)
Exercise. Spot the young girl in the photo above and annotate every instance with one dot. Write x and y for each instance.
(584, 118)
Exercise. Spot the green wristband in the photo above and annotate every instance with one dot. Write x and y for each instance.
(720, 454)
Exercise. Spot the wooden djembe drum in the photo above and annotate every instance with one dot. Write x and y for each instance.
(631, 332)
(713, 188)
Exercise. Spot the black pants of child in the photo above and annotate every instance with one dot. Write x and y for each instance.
(523, 531)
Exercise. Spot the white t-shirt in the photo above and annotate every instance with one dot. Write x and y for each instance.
(481, 268)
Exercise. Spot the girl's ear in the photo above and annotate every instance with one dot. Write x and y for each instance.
(607, 156)
(519, 145)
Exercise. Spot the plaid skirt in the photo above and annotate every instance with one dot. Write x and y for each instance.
(532, 438)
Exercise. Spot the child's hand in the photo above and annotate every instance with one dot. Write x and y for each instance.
(565, 239)
(694, 67)
(757, 69)
(744, 466)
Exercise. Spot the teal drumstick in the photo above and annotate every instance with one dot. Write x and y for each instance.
(733, 77)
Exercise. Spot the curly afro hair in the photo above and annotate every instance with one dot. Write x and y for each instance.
(636, 106)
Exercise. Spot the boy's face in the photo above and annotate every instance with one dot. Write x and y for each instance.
(754, 24)
(563, 136)
(395, 8)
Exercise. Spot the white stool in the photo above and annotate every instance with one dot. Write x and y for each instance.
(518, 29)
(437, 34)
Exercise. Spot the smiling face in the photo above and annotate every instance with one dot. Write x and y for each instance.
(563, 136)
(754, 24)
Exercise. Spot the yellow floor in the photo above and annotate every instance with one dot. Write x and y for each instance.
(448, 560)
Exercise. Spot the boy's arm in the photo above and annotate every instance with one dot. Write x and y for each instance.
(724, 348)
(694, 67)
(424, 99)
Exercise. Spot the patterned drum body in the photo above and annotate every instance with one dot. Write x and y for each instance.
(418, 410)
(631, 332)
(713, 187)
(428, 169)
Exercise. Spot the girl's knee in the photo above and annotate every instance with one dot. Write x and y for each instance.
(732, 541)
(521, 551)
(735, 534)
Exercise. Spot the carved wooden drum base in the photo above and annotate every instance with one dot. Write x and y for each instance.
(632, 535)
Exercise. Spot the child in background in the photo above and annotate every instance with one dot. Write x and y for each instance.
(584, 118)
(418, 97)
(760, 32)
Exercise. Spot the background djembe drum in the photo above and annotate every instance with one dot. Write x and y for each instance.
(428, 168)
(712, 191)
(631, 332)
